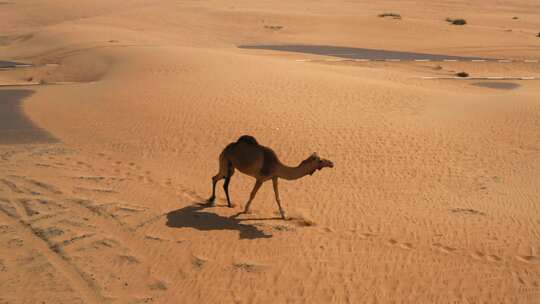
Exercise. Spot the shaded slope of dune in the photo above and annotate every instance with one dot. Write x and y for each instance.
(15, 126)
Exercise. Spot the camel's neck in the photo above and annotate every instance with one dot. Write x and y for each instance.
(291, 173)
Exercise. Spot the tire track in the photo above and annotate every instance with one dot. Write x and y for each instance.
(77, 280)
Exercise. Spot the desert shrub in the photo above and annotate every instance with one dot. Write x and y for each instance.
(462, 74)
(458, 21)
(393, 15)
(273, 27)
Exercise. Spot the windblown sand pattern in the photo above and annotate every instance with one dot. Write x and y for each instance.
(434, 196)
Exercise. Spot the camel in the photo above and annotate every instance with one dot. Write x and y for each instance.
(262, 163)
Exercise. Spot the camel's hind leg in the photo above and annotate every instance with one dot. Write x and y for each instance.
(223, 171)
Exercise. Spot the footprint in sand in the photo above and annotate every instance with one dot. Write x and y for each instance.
(527, 258)
(155, 238)
(493, 258)
(478, 255)
(366, 235)
(445, 249)
(123, 259)
(158, 285)
(198, 262)
(248, 267)
(3, 267)
(406, 246)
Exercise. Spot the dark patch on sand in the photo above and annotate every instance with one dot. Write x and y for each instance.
(15, 126)
(12, 64)
(468, 211)
(497, 85)
(356, 53)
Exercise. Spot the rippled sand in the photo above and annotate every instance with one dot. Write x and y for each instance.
(109, 140)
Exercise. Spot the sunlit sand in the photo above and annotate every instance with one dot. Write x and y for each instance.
(111, 132)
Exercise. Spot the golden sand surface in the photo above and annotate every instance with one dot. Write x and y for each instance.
(108, 143)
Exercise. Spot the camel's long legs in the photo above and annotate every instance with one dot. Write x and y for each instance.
(215, 179)
(258, 184)
(223, 173)
(226, 184)
(278, 201)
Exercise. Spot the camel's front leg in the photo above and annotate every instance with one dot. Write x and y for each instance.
(278, 201)
(258, 184)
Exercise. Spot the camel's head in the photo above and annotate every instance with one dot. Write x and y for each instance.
(317, 163)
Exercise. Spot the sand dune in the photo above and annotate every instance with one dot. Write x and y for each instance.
(433, 198)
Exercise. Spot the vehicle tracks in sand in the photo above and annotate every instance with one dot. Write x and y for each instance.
(71, 233)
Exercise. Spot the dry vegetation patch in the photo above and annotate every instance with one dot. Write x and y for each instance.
(273, 27)
(458, 21)
(393, 15)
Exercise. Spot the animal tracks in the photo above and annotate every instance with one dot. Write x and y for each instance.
(71, 222)
(449, 250)
(443, 248)
(406, 246)
(487, 257)
(529, 259)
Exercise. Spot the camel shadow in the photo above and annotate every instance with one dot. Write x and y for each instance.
(193, 216)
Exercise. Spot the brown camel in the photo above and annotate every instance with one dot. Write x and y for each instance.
(262, 163)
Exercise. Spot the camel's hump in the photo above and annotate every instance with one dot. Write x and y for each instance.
(248, 139)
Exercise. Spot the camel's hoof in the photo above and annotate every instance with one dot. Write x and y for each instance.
(231, 205)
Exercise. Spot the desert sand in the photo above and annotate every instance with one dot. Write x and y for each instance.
(108, 143)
